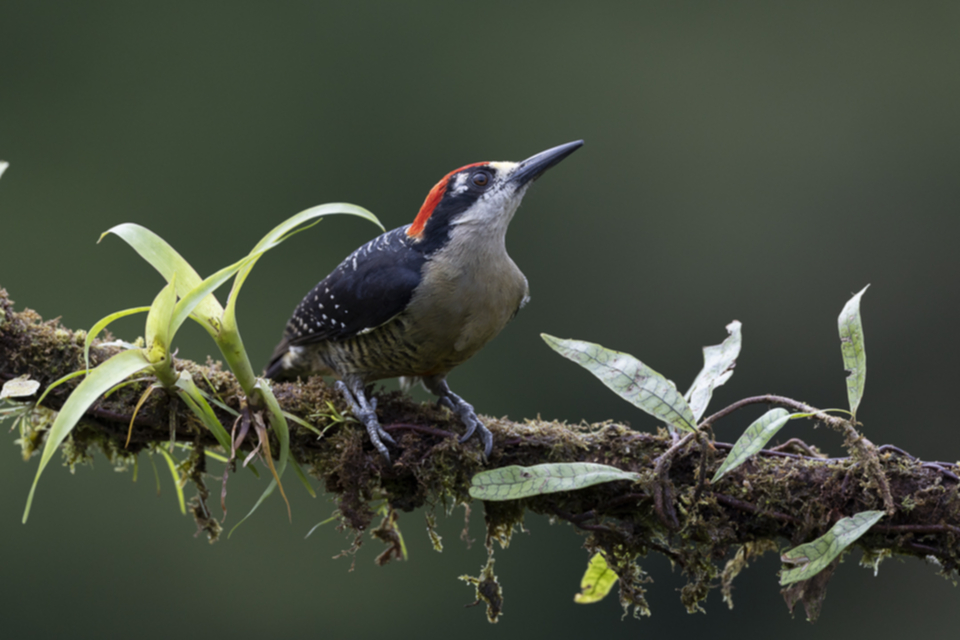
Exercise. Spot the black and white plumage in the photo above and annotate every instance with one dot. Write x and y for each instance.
(419, 300)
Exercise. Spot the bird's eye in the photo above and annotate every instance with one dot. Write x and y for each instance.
(481, 179)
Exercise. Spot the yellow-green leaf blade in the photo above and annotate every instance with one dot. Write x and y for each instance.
(165, 259)
(516, 482)
(597, 581)
(189, 302)
(101, 325)
(753, 439)
(172, 464)
(157, 332)
(191, 395)
(117, 368)
(813, 557)
(853, 350)
(281, 231)
(629, 378)
(718, 363)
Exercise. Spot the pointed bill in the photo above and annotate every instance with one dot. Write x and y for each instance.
(853, 350)
(718, 363)
(629, 378)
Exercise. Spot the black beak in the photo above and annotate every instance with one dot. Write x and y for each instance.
(534, 166)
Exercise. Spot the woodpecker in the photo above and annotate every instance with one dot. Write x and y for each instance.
(419, 300)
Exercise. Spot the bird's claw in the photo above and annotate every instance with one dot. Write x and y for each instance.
(469, 418)
(365, 411)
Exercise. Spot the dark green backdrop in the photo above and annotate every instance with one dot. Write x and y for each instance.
(757, 161)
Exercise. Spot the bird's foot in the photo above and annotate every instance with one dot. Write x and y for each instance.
(468, 416)
(365, 411)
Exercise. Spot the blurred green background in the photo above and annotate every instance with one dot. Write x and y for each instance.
(757, 161)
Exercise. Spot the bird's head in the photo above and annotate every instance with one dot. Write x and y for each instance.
(484, 194)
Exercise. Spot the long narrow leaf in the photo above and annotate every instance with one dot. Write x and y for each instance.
(58, 382)
(168, 262)
(278, 233)
(172, 464)
(283, 231)
(515, 482)
(753, 439)
(813, 557)
(125, 363)
(303, 477)
(718, 363)
(157, 332)
(196, 297)
(853, 350)
(191, 395)
(629, 378)
(101, 325)
(283, 436)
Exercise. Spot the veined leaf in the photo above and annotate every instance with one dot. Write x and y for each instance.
(596, 582)
(515, 482)
(629, 378)
(853, 350)
(168, 262)
(813, 557)
(125, 363)
(718, 363)
(101, 325)
(753, 439)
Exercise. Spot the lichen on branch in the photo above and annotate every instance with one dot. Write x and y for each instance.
(777, 498)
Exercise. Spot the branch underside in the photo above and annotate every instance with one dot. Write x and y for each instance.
(673, 510)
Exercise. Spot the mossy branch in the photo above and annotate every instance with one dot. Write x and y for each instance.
(788, 493)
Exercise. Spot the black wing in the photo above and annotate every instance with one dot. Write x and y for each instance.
(372, 285)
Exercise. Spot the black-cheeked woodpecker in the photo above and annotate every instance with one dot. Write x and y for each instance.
(419, 300)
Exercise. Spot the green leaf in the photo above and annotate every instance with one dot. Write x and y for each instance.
(58, 382)
(168, 262)
(515, 482)
(197, 295)
(191, 395)
(229, 341)
(303, 478)
(125, 363)
(596, 582)
(718, 363)
(280, 427)
(852, 348)
(753, 439)
(629, 378)
(176, 478)
(813, 557)
(157, 332)
(101, 325)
